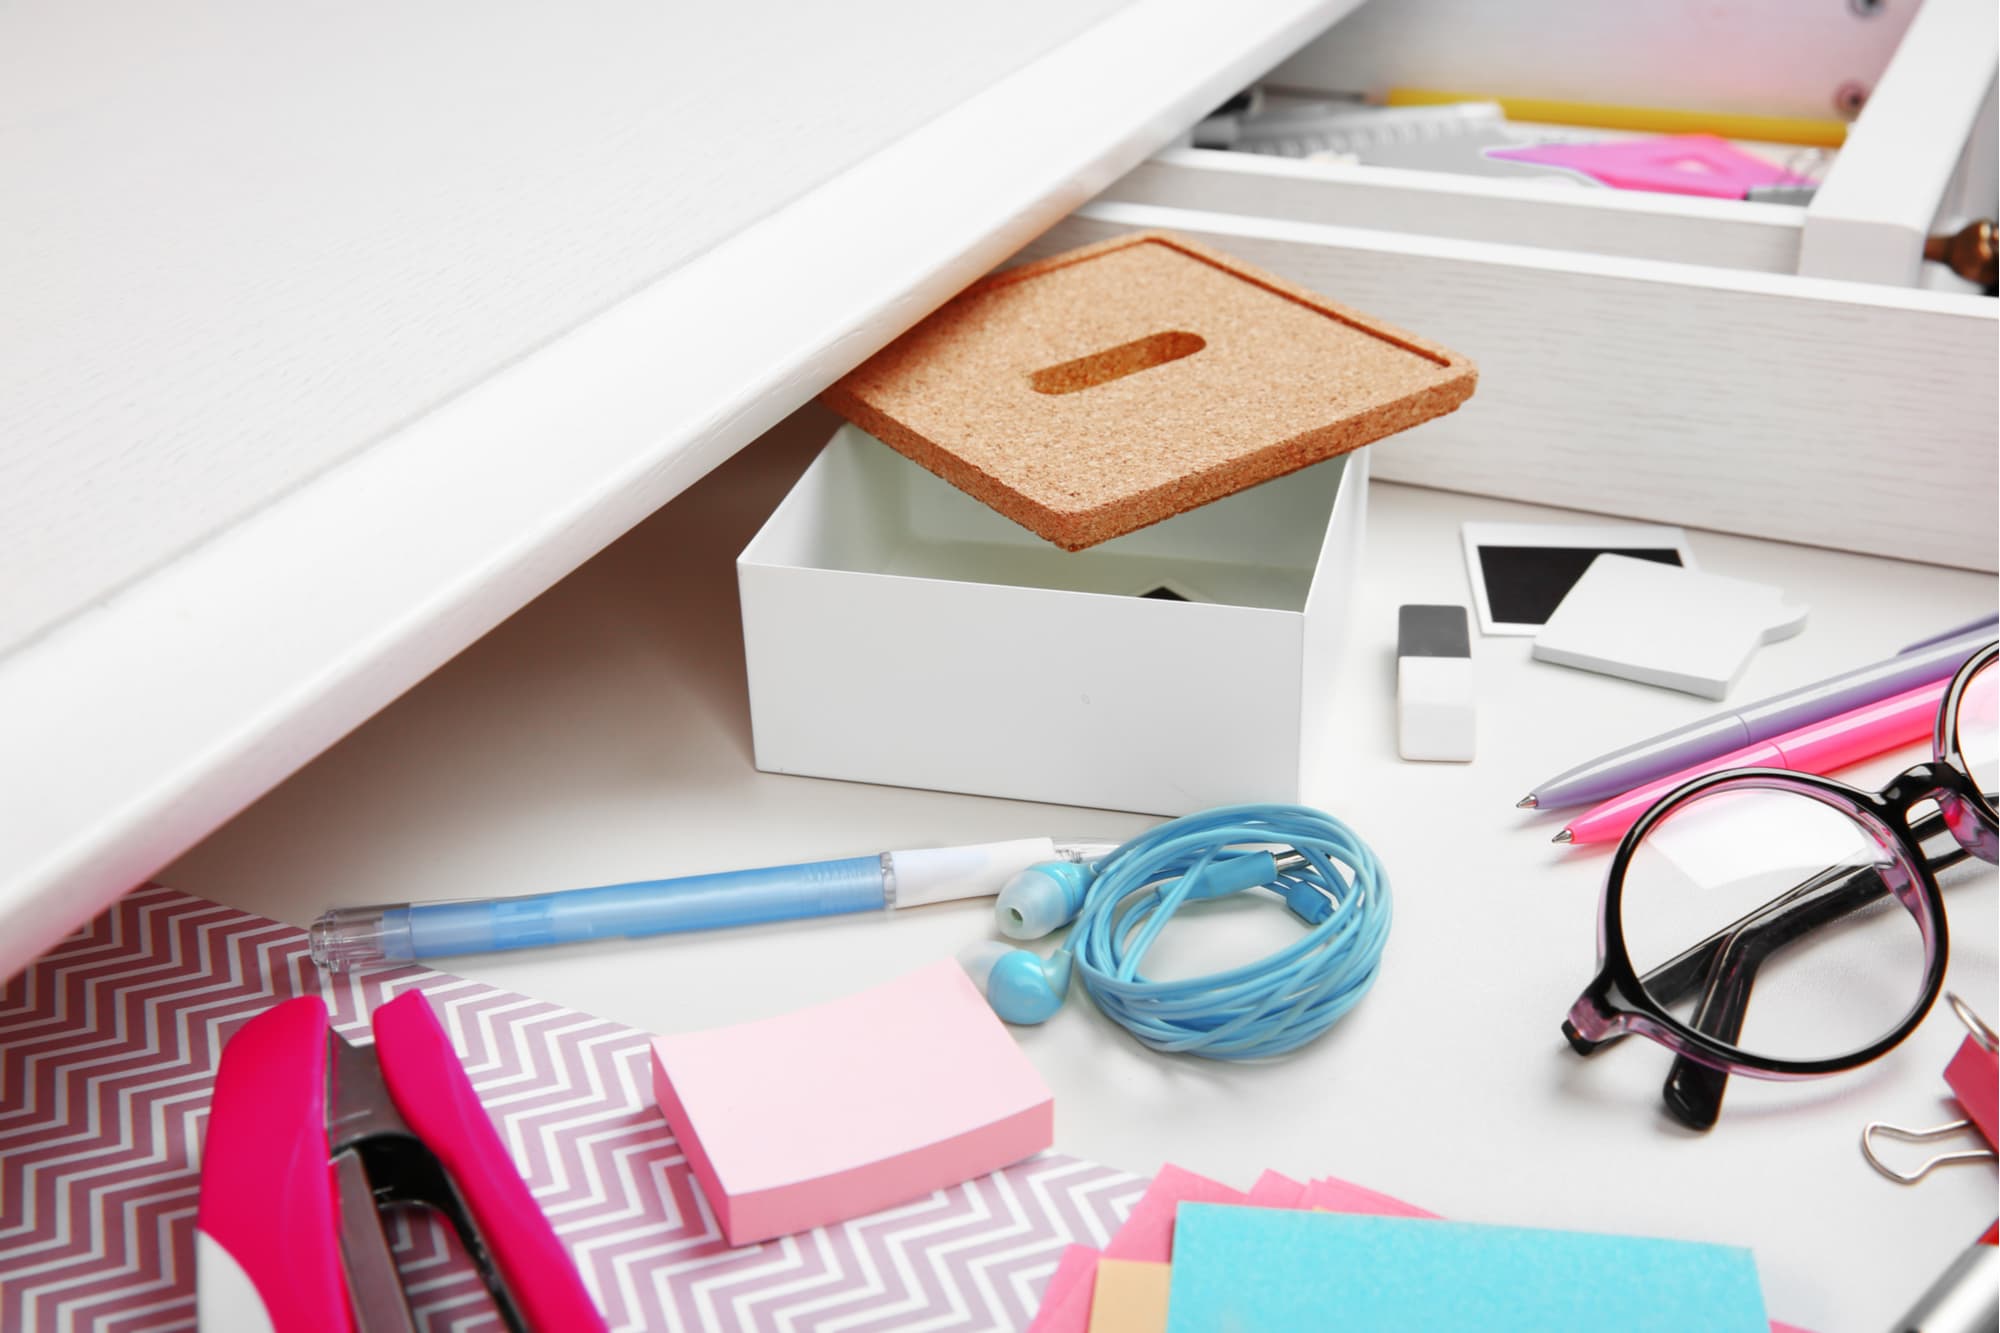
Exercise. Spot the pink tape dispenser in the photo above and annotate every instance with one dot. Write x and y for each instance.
(309, 1136)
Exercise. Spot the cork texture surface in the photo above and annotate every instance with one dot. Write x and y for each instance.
(1093, 393)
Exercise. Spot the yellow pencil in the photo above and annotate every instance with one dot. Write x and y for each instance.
(1643, 119)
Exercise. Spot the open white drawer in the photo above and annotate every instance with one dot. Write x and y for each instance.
(1919, 160)
(1676, 359)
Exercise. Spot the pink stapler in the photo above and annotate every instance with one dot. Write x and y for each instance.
(309, 1135)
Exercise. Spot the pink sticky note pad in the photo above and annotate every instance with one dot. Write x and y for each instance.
(1700, 164)
(852, 1106)
(1149, 1232)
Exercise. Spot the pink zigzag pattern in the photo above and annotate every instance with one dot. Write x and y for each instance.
(108, 1049)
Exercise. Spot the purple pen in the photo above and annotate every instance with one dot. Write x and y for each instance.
(1988, 623)
(1712, 737)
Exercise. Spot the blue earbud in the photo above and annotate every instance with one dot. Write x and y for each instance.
(1021, 986)
(1044, 897)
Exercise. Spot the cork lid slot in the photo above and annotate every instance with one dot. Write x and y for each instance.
(1097, 392)
(1115, 363)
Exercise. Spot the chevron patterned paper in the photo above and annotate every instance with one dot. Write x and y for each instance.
(108, 1049)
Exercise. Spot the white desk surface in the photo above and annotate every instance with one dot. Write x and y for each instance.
(421, 195)
(334, 336)
(602, 734)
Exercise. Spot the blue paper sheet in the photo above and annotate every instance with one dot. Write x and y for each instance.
(1265, 1270)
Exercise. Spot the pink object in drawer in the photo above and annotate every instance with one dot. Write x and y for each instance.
(1700, 164)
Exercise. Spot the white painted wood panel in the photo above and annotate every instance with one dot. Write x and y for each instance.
(1555, 215)
(1755, 57)
(240, 241)
(1845, 415)
(132, 729)
(1894, 177)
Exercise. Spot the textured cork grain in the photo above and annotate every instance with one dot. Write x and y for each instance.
(1096, 392)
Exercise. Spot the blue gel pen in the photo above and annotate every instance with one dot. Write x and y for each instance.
(403, 932)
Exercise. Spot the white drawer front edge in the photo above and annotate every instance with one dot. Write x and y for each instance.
(141, 724)
(1551, 215)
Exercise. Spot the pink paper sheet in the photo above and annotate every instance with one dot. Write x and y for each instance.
(1273, 1190)
(1066, 1300)
(1149, 1232)
(1338, 1196)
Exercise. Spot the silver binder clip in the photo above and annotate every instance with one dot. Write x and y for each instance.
(1983, 1034)
(1877, 1129)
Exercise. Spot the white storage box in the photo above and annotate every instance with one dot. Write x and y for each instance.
(898, 631)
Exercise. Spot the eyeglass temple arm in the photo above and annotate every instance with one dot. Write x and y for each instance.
(1693, 1089)
(1736, 951)
(1672, 980)
(1727, 963)
(1730, 959)
(1824, 898)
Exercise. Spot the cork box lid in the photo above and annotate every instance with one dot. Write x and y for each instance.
(1095, 392)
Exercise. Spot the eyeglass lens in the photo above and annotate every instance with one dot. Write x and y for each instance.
(1978, 739)
(1766, 909)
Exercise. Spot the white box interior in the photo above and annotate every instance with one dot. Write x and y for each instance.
(866, 509)
(898, 631)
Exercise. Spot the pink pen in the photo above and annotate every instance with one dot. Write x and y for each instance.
(1899, 720)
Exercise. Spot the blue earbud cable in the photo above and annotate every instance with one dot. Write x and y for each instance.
(1264, 1008)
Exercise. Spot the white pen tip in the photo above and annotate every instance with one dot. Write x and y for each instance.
(1564, 836)
(1527, 802)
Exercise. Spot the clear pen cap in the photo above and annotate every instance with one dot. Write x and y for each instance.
(350, 937)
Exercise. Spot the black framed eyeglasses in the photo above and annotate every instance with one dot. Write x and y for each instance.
(1821, 896)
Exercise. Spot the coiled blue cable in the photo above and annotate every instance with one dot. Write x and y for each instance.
(1268, 1007)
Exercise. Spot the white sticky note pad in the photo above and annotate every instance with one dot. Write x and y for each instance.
(1662, 625)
